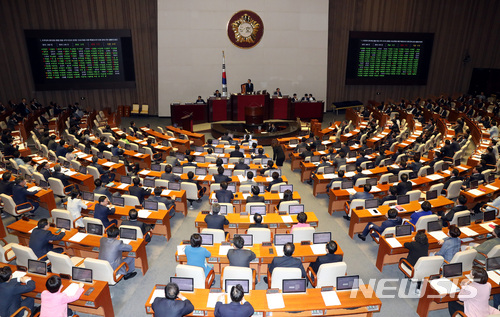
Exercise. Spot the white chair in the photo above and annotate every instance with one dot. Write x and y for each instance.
(58, 188)
(192, 193)
(303, 234)
(214, 187)
(260, 235)
(75, 165)
(23, 254)
(453, 190)
(197, 274)
(361, 181)
(354, 204)
(248, 205)
(237, 272)
(140, 234)
(131, 200)
(384, 178)
(161, 183)
(103, 271)
(6, 253)
(24, 171)
(437, 187)
(276, 187)
(493, 253)
(327, 274)
(38, 177)
(94, 172)
(424, 220)
(240, 172)
(284, 205)
(229, 207)
(65, 214)
(438, 166)
(403, 172)
(457, 215)
(62, 263)
(218, 234)
(414, 194)
(423, 171)
(376, 235)
(107, 155)
(275, 280)
(135, 108)
(10, 207)
(466, 258)
(425, 267)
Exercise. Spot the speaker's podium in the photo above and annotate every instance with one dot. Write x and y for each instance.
(187, 122)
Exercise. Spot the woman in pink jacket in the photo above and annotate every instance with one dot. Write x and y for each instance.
(54, 302)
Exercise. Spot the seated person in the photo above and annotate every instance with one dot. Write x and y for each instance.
(102, 211)
(330, 257)
(392, 221)
(269, 166)
(475, 176)
(169, 306)
(239, 256)
(365, 194)
(168, 175)
(191, 179)
(132, 221)
(214, 220)
(5, 184)
(426, 210)
(196, 254)
(20, 194)
(246, 140)
(236, 152)
(418, 247)
(392, 195)
(257, 218)
(55, 302)
(41, 238)
(11, 291)
(358, 174)
(106, 175)
(241, 165)
(137, 191)
(255, 198)
(169, 201)
(287, 196)
(450, 245)
(223, 195)
(307, 152)
(260, 154)
(220, 177)
(238, 306)
(487, 245)
(190, 161)
(302, 221)
(199, 100)
(448, 216)
(339, 178)
(287, 260)
(101, 146)
(64, 178)
(100, 189)
(75, 206)
(276, 180)
(404, 186)
(111, 249)
(249, 180)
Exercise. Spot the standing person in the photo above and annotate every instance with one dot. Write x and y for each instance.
(169, 306)
(196, 254)
(55, 302)
(11, 291)
(75, 206)
(278, 154)
(249, 86)
(238, 307)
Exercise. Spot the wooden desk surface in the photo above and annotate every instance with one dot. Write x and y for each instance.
(363, 302)
(271, 218)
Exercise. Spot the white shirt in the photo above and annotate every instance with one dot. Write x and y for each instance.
(75, 208)
(493, 132)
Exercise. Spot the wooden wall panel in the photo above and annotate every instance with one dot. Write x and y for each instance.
(140, 16)
(459, 27)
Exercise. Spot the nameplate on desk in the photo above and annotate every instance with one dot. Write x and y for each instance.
(267, 202)
(258, 314)
(282, 213)
(61, 243)
(273, 225)
(38, 295)
(123, 218)
(236, 202)
(314, 224)
(131, 254)
(233, 225)
(305, 242)
(372, 308)
(244, 213)
(95, 249)
(199, 313)
(177, 199)
(158, 222)
(89, 304)
(317, 312)
(205, 212)
(213, 259)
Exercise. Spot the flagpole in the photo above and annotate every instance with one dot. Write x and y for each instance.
(224, 82)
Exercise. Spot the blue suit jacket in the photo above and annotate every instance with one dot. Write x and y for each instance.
(362, 195)
(173, 308)
(233, 310)
(101, 212)
(10, 293)
(224, 196)
(39, 241)
(287, 261)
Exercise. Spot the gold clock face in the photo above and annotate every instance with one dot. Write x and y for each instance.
(245, 29)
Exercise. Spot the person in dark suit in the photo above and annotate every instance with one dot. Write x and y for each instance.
(44, 170)
(404, 186)
(277, 93)
(361, 158)
(455, 146)
(111, 250)
(417, 248)
(61, 150)
(287, 260)
(132, 125)
(41, 238)
(102, 190)
(301, 145)
(138, 191)
(214, 220)
(102, 211)
(63, 177)
(454, 177)
(11, 291)
(20, 194)
(257, 218)
(447, 149)
(307, 152)
(330, 257)
(191, 179)
(236, 152)
(249, 86)
(241, 165)
(220, 177)
(169, 201)
(393, 221)
(169, 176)
(475, 176)
(200, 100)
(276, 180)
(223, 195)
(239, 256)
(340, 177)
(393, 191)
(101, 146)
(237, 308)
(169, 306)
(217, 94)
(255, 198)
(269, 166)
(448, 216)
(358, 174)
(226, 137)
(132, 221)
(489, 158)
(5, 184)
(106, 175)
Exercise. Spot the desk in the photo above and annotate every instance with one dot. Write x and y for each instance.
(181, 145)
(239, 224)
(97, 303)
(363, 302)
(270, 199)
(197, 138)
(307, 110)
(88, 247)
(487, 191)
(199, 110)
(85, 181)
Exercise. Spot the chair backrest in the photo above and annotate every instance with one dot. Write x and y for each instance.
(494, 252)
(401, 173)
(229, 207)
(466, 258)
(285, 204)
(195, 272)
(14, 164)
(427, 266)
(60, 263)
(38, 177)
(245, 188)
(214, 187)
(248, 205)
(131, 200)
(218, 234)
(423, 171)
(57, 186)
(356, 203)
(438, 166)
(94, 172)
(101, 270)
(328, 273)
(282, 273)
(276, 187)
(62, 213)
(361, 181)
(140, 234)
(384, 178)
(87, 220)
(236, 272)
(260, 235)
(422, 221)
(303, 234)
(9, 205)
(23, 254)
(191, 190)
(414, 194)
(438, 187)
(161, 183)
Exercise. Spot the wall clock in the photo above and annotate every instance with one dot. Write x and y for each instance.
(245, 29)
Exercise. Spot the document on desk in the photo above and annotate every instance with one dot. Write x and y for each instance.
(349, 174)
(491, 187)
(78, 237)
(223, 249)
(245, 195)
(138, 154)
(241, 178)
(122, 186)
(475, 192)
(269, 179)
(374, 212)
(157, 293)
(71, 289)
(444, 286)
(165, 192)
(287, 219)
(196, 153)
(281, 195)
(318, 248)
(351, 191)
(275, 301)
(468, 232)
(494, 276)
(461, 168)
(144, 172)
(375, 189)
(34, 189)
(330, 298)
(394, 243)
(346, 135)
(279, 250)
(488, 226)
(71, 173)
(18, 275)
(329, 176)
(366, 172)
(438, 235)
(181, 249)
(212, 299)
(143, 213)
(108, 164)
(434, 177)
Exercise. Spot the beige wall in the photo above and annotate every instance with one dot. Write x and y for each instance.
(192, 34)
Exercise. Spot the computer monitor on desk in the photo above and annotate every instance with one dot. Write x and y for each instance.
(63, 223)
(322, 237)
(229, 283)
(294, 286)
(431, 194)
(80, 274)
(207, 239)
(185, 284)
(403, 230)
(118, 201)
(247, 238)
(94, 228)
(174, 186)
(452, 270)
(151, 205)
(282, 239)
(403, 199)
(126, 180)
(258, 209)
(295, 209)
(37, 267)
(128, 233)
(286, 187)
(347, 283)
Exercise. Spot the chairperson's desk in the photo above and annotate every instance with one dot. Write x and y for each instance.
(264, 256)
(363, 302)
(87, 247)
(239, 224)
(359, 218)
(96, 303)
(392, 249)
